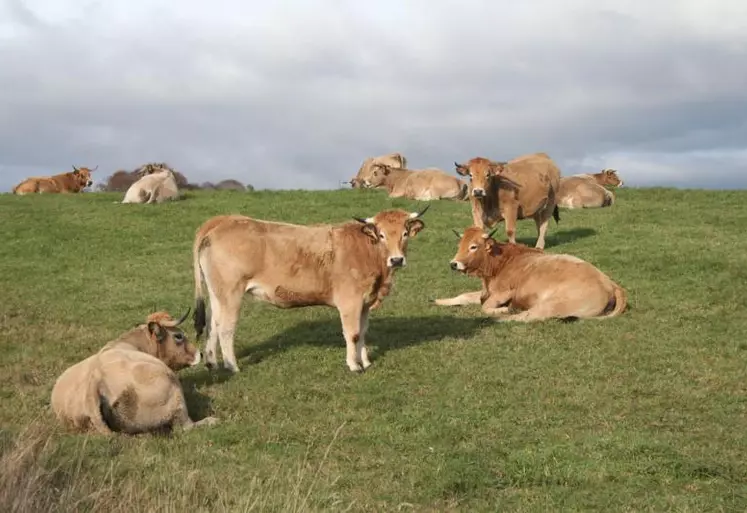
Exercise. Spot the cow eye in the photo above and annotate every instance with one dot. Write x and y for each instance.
(381, 236)
(178, 338)
(473, 247)
(404, 234)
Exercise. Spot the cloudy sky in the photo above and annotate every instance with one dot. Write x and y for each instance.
(294, 94)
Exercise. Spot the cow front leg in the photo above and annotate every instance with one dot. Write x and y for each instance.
(510, 216)
(468, 298)
(351, 330)
(360, 348)
(498, 303)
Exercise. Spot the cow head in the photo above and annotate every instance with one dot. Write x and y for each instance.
(378, 175)
(609, 177)
(83, 176)
(171, 343)
(480, 171)
(393, 228)
(474, 248)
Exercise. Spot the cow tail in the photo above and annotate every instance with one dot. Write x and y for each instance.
(620, 298)
(199, 316)
(556, 214)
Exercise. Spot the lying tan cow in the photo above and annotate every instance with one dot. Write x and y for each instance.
(130, 385)
(75, 181)
(157, 186)
(396, 160)
(423, 185)
(588, 190)
(521, 188)
(348, 266)
(526, 284)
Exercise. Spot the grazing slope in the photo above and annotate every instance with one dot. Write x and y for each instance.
(642, 412)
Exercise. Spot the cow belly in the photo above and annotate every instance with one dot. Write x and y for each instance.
(286, 295)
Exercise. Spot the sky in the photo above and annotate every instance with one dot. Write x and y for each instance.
(295, 94)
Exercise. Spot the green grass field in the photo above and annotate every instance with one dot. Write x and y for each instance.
(645, 412)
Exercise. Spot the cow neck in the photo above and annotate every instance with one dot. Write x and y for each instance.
(394, 176)
(139, 338)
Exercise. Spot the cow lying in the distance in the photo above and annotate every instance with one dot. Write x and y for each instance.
(65, 183)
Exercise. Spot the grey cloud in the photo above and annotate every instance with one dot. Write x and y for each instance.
(300, 104)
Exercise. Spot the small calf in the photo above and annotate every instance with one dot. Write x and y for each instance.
(526, 284)
(130, 385)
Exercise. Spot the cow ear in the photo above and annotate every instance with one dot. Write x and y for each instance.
(157, 331)
(460, 169)
(371, 230)
(414, 227)
(492, 247)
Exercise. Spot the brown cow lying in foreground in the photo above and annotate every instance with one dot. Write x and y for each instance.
(524, 187)
(130, 385)
(349, 266)
(588, 190)
(533, 284)
(64, 183)
(421, 184)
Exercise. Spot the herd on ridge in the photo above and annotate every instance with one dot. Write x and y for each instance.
(130, 385)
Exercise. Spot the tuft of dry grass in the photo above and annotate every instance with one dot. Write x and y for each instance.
(38, 475)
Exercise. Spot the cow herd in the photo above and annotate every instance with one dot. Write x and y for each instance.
(130, 385)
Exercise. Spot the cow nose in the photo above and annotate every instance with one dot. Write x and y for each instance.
(396, 261)
(478, 193)
(453, 266)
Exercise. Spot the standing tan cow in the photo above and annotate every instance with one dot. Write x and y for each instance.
(423, 185)
(360, 180)
(526, 284)
(518, 189)
(130, 385)
(75, 181)
(588, 190)
(348, 266)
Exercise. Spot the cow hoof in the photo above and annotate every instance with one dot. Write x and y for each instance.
(231, 367)
(208, 421)
(355, 367)
(211, 365)
(366, 365)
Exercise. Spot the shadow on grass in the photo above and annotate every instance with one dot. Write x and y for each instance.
(560, 237)
(199, 405)
(384, 334)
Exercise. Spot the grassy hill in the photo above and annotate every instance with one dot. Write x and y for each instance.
(641, 413)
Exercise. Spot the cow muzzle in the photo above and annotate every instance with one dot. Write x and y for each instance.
(198, 358)
(456, 265)
(478, 193)
(396, 261)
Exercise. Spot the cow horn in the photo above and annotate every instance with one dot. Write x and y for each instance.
(75, 168)
(457, 164)
(415, 215)
(364, 221)
(492, 232)
(459, 235)
(95, 168)
(183, 317)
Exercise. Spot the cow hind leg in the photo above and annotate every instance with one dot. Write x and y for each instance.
(211, 348)
(226, 327)
(542, 220)
(351, 329)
